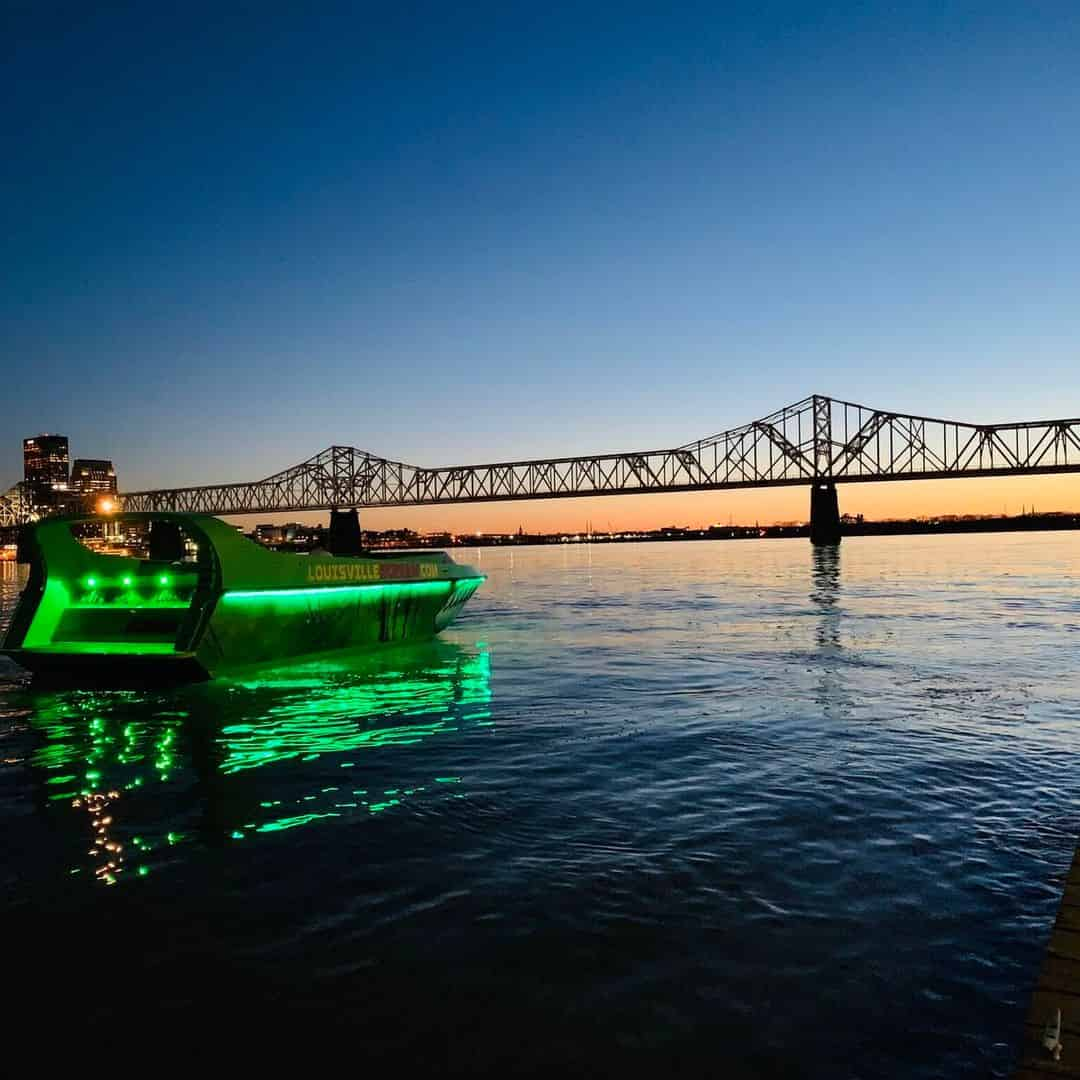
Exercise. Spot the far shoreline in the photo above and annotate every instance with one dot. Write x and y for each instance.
(850, 528)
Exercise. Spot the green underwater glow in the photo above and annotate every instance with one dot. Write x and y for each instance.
(314, 719)
(118, 768)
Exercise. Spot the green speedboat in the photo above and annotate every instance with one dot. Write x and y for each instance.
(209, 598)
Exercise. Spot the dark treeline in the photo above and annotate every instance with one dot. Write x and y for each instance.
(851, 527)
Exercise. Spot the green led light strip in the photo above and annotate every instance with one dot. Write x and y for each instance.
(121, 605)
(111, 648)
(426, 586)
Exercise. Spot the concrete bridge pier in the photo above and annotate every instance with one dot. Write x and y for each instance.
(824, 513)
(344, 532)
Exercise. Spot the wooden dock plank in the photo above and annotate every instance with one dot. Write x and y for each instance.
(1065, 943)
(1044, 1001)
(1058, 987)
(1041, 1072)
(1069, 917)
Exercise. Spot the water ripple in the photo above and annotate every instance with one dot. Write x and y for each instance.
(784, 811)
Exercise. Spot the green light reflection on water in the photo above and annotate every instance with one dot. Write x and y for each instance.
(292, 822)
(122, 766)
(317, 716)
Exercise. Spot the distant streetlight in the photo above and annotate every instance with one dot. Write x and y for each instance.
(106, 505)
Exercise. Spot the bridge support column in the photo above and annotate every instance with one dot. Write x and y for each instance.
(824, 513)
(345, 533)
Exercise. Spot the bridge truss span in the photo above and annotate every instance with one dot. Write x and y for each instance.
(816, 440)
(869, 444)
(15, 507)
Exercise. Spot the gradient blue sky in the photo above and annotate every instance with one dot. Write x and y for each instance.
(507, 231)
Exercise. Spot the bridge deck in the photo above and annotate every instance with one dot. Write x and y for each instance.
(1058, 988)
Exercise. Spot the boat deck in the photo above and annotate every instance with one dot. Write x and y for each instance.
(1058, 988)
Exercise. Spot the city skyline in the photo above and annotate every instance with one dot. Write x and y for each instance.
(235, 241)
(51, 479)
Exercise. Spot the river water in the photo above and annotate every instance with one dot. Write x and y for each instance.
(733, 809)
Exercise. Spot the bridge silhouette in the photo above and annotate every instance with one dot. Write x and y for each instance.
(818, 442)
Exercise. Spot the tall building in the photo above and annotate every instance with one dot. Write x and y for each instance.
(45, 468)
(93, 476)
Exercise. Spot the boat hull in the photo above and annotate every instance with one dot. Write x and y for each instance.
(259, 625)
(86, 616)
(104, 669)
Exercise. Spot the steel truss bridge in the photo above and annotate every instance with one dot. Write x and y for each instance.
(15, 508)
(819, 440)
